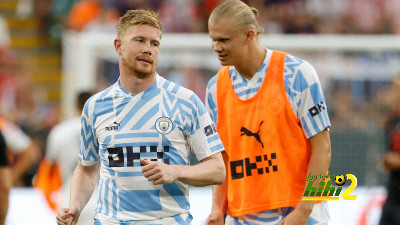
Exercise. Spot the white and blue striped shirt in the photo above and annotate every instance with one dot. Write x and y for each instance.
(162, 124)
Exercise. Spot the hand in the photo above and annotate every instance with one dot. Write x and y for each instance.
(297, 217)
(391, 161)
(67, 216)
(158, 172)
(215, 219)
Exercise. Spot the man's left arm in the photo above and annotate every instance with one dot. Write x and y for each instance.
(320, 159)
(206, 145)
(209, 171)
(315, 125)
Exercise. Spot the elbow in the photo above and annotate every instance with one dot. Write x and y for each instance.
(36, 153)
(6, 184)
(328, 153)
(220, 175)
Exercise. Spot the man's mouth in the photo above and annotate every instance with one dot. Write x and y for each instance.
(145, 60)
(222, 57)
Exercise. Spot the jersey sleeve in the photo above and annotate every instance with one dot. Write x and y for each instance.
(51, 145)
(15, 138)
(211, 98)
(89, 150)
(204, 138)
(306, 97)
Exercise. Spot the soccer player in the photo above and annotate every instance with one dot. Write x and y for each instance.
(62, 149)
(391, 160)
(23, 147)
(139, 132)
(6, 183)
(271, 115)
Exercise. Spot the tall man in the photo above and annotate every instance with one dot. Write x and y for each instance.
(139, 132)
(271, 115)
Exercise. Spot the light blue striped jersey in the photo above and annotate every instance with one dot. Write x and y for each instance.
(304, 92)
(160, 124)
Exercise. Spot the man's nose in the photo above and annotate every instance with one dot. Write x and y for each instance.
(216, 47)
(147, 47)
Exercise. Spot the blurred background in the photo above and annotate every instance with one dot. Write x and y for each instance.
(50, 50)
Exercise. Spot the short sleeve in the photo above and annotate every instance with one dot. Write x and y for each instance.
(211, 98)
(204, 138)
(305, 95)
(89, 150)
(15, 138)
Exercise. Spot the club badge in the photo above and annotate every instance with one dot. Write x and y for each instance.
(164, 125)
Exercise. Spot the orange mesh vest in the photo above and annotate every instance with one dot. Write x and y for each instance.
(268, 152)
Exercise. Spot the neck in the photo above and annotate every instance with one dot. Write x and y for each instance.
(252, 62)
(135, 83)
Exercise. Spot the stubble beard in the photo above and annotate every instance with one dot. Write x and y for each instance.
(140, 71)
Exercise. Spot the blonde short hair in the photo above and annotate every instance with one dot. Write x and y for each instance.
(137, 17)
(237, 10)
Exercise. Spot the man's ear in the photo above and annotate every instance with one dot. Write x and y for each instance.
(117, 46)
(250, 35)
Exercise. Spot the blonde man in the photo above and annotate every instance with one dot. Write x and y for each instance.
(272, 119)
(139, 132)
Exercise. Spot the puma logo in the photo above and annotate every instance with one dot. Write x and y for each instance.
(246, 132)
(112, 127)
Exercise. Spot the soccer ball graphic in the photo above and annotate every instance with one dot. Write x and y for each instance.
(340, 180)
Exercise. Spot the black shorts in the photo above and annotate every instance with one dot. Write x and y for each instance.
(3, 152)
(390, 214)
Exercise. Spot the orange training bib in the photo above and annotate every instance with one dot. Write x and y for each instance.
(268, 152)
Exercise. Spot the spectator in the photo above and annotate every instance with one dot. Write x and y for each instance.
(5, 184)
(62, 149)
(391, 161)
(25, 153)
(82, 13)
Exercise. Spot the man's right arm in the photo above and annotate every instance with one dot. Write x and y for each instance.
(83, 184)
(219, 200)
(5, 184)
(22, 145)
(219, 192)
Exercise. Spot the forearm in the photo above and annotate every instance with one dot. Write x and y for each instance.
(25, 161)
(208, 172)
(320, 160)
(83, 184)
(219, 198)
(5, 187)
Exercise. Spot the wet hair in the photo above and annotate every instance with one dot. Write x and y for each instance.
(245, 16)
(137, 17)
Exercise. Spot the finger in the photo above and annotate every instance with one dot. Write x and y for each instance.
(147, 165)
(66, 216)
(148, 172)
(158, 181)
(152, 174)
(144, 162)
(61, 221)
(161, 180)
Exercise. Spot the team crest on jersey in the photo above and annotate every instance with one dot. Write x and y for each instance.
(164, 125)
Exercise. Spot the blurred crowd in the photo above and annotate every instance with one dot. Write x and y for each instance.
(190, 16)
(27, 106)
